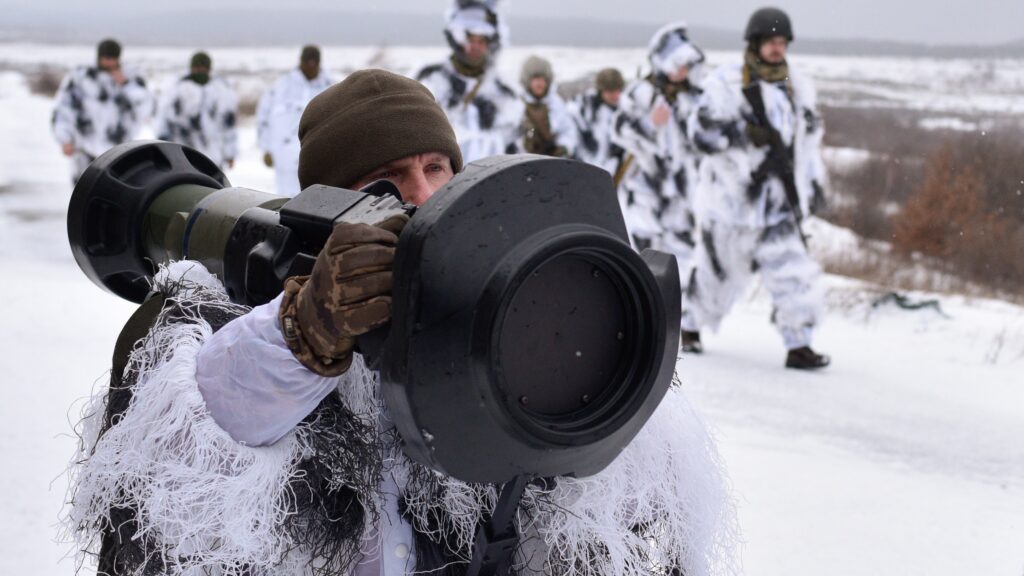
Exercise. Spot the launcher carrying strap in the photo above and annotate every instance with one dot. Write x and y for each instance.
(496, 539)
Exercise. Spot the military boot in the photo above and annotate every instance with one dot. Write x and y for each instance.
(689, 342)
(804, 358)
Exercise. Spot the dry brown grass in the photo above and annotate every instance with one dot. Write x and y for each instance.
(950, 218)
(950, 203)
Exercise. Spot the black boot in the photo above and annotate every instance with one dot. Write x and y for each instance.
(804, 358)
(689, 342)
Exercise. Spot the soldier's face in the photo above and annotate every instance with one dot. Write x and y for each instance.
(611, 97)
(773, 50)
(108, 64)
(680, 75)
(538, 86)
(310, 68)
(476, 48)
(417, 177)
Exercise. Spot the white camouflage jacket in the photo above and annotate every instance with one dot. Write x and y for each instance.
(594, 122)
(202, 116)
(96, 114)
(658, 186)
(485, 112)
(279, 111)
(719, 128)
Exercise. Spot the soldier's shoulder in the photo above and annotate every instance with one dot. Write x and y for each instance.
(639, 88)
(79, 73)
(290, 77)
(803, 87)
(133, 75)
(325, 81)
(725, 74)
(724, 83)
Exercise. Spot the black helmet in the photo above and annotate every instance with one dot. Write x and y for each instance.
(768, 23)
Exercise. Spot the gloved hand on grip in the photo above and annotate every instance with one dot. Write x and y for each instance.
(348, 294)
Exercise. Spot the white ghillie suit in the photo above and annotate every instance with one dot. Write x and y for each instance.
(202, 116)
(277, 124)
(323, 496)
(484, 111)
(657, 188)
(747, 226)
(95, 114)
(594, 121)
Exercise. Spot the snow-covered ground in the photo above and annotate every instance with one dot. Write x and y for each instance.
(904, 457)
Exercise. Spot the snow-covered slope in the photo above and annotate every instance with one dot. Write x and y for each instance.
(905, 457)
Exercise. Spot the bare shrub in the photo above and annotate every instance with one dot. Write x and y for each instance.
(943, 208)
(952, 203)
(949, 219)
(998, 156)
(247, 107)
(45, 81)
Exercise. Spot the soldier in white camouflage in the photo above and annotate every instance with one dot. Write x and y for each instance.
(278, 114)
(98, 107)
(484, 111)
(594, 113)
(548, 129)
(255, 441)
(200, 110)
(660, 165)
(758, 127)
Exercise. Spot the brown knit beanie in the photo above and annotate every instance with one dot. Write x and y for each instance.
(371, 118)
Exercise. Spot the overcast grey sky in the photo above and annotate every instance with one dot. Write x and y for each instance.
(929, 21)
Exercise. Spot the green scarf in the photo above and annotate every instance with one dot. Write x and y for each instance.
(473, 71)
(755, 68)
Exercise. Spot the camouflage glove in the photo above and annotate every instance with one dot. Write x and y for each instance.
(347, 295)
(758, 135)
(560, 152)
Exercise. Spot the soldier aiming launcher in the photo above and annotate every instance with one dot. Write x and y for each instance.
(527, 337)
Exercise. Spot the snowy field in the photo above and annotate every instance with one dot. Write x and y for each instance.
(989, 88)
(905, 457)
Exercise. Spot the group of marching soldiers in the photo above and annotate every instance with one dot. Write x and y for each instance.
(718, 169)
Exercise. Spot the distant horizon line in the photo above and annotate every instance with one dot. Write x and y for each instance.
(180, 29)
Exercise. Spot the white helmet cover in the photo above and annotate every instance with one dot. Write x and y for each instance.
(670, 49)
(477, 17)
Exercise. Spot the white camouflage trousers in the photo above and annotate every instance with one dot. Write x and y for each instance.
(725, 260)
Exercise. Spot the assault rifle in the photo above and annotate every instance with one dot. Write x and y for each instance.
(780, 157)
